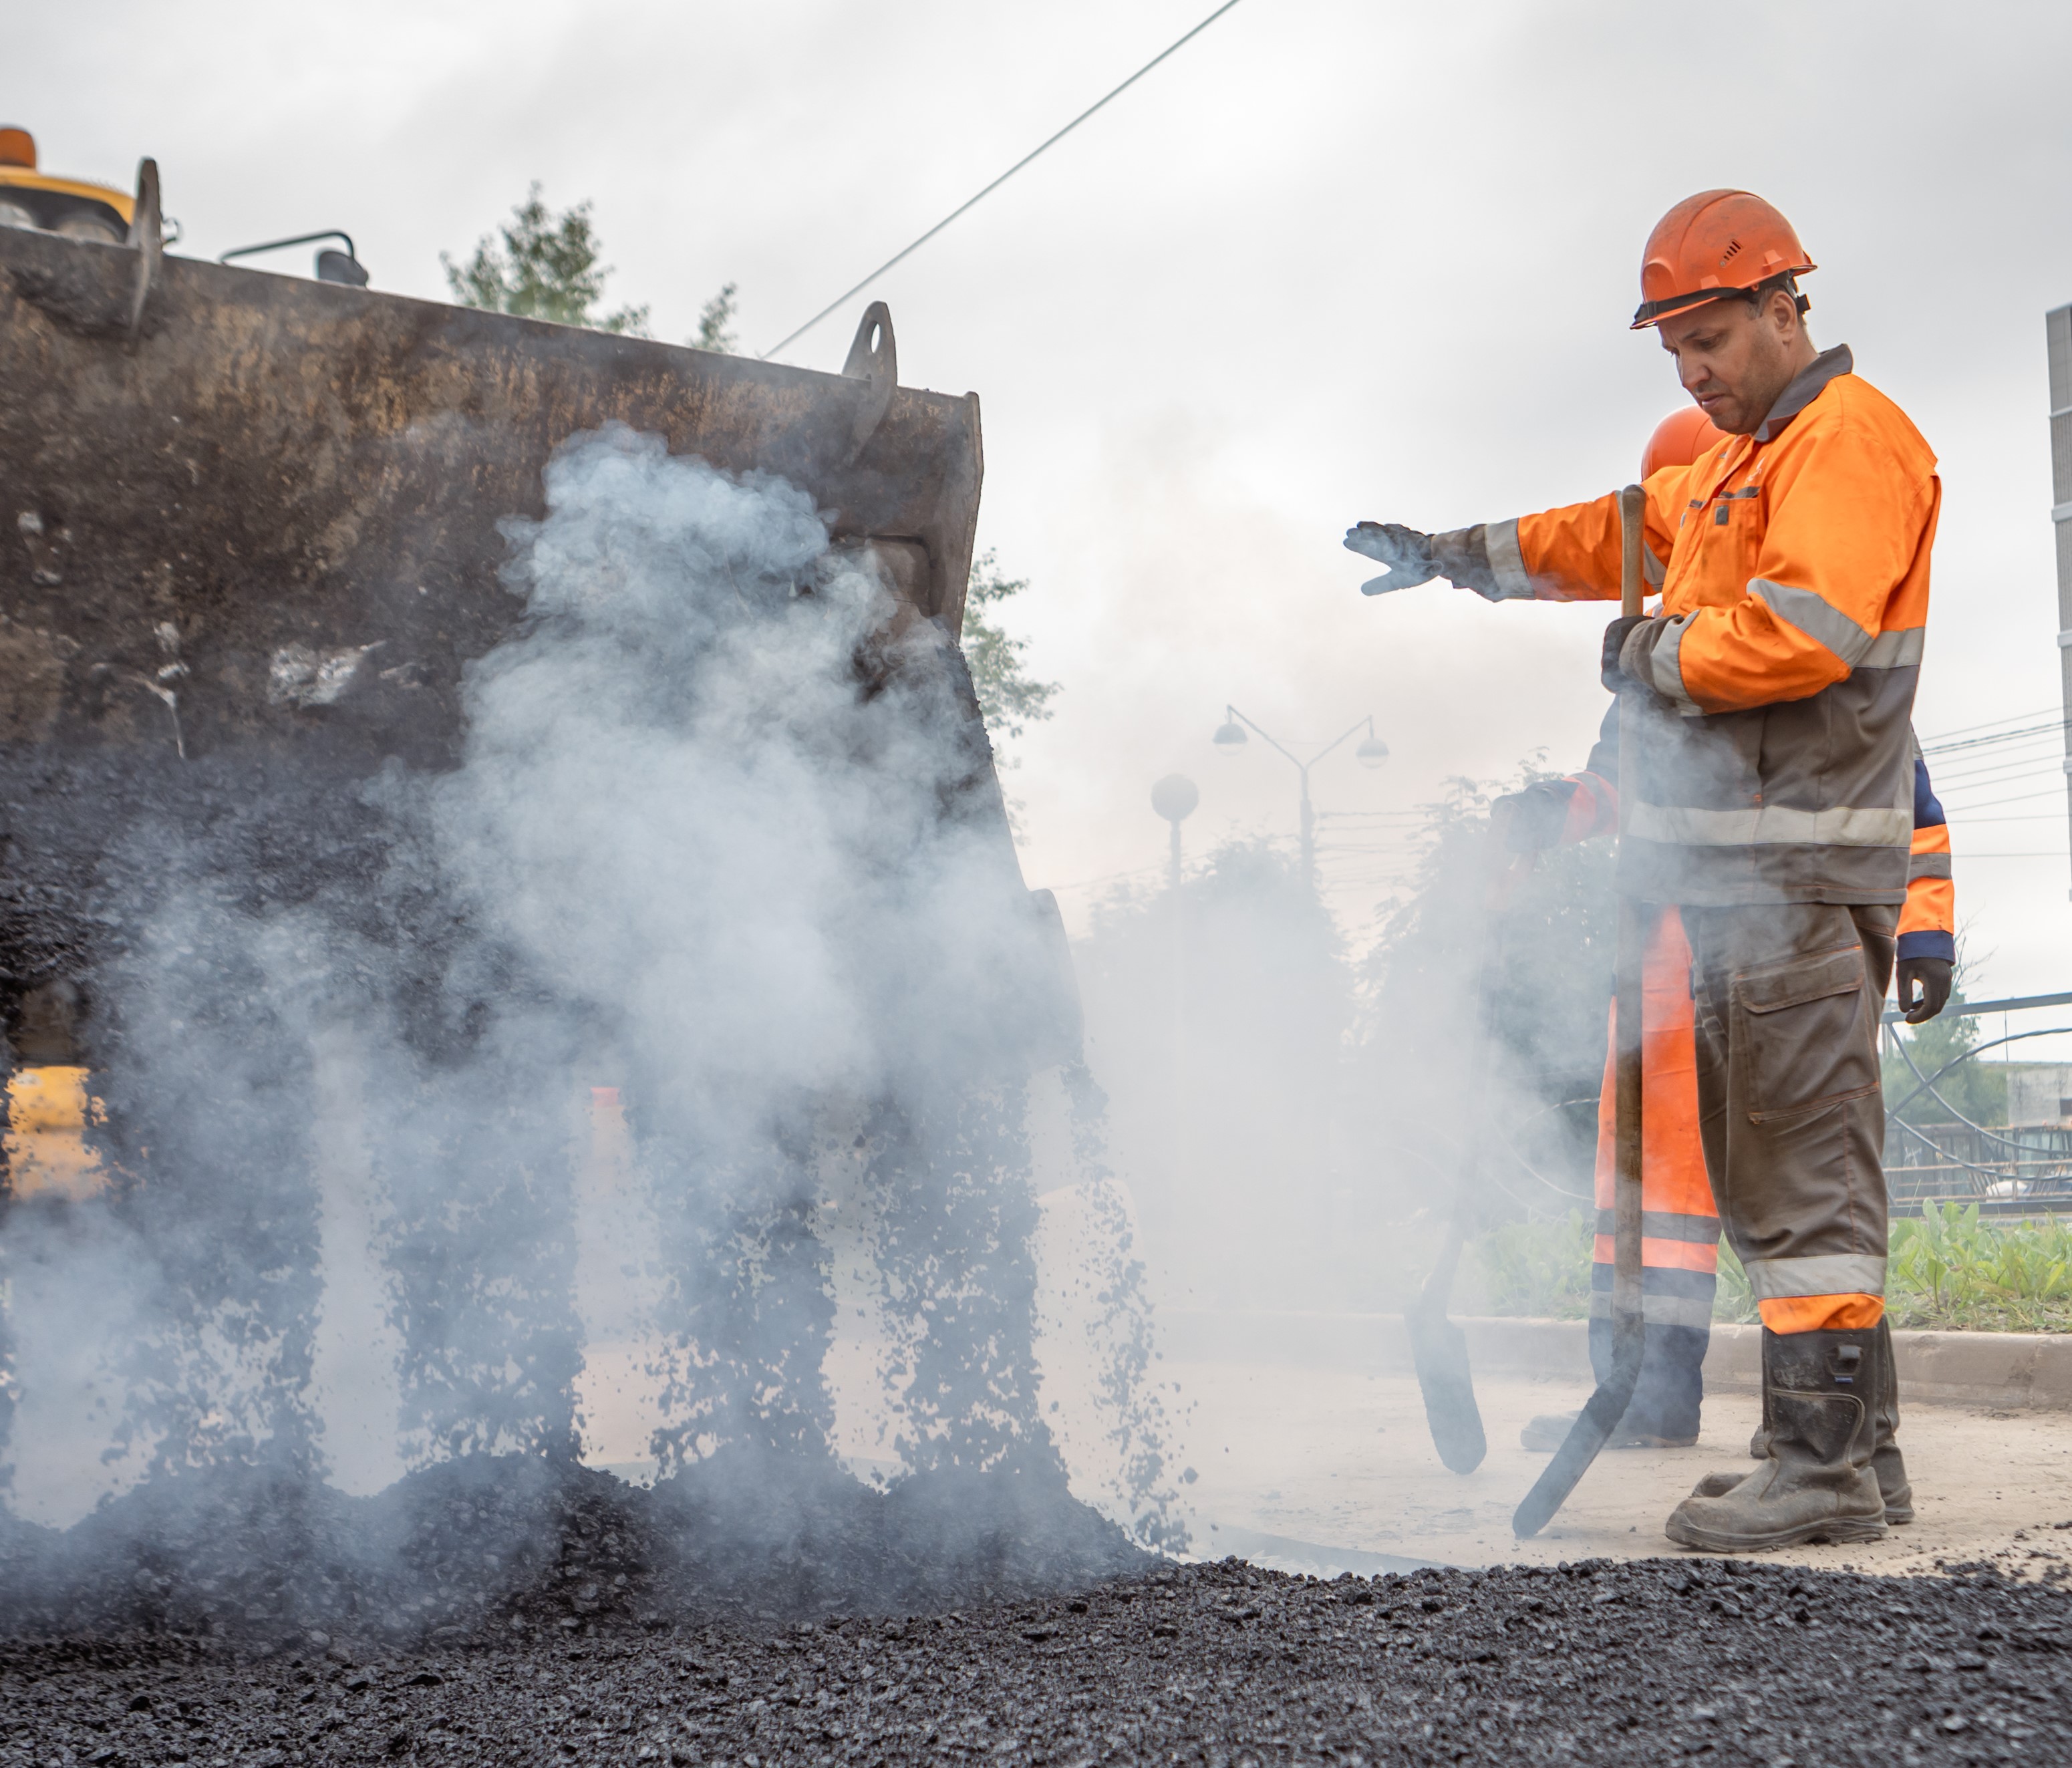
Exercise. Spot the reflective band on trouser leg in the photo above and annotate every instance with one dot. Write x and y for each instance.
(1837, 1293)
(1822, 1313)
(1790, 1104)
(1679, 1227)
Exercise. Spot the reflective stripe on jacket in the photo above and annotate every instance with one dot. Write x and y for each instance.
(1928, 922)
(1777, 764)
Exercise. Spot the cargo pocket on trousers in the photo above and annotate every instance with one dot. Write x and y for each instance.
(1804, 1042)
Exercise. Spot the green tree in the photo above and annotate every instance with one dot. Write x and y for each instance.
(1484, 998)
(1974, 1090)
(716, 323)
(546, 267)
(1524, 945)
(1009, 696)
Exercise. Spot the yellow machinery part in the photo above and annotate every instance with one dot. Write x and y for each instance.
(46, 1143)
(123, 203)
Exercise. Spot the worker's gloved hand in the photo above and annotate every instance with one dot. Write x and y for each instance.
(1616, 634)
(1924, 988)
(1531, 821)
(1406, 552)
(1461, 555)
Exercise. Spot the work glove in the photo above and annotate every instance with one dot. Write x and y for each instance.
(1531, 820)
(1461, 556)
(1609, 669)
(1406, 552)
(1931, 978)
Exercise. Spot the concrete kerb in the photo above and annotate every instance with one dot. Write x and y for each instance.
(2009, 1370)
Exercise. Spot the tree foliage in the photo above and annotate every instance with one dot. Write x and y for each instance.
(1010, 697)
(1976, 1090)
(1531, 942)
(546, 267)
(716, 323)
(1482, 1032)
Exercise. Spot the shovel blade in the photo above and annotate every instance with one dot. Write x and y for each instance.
(1439, 1349)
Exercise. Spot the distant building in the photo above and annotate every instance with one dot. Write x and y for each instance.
(2039, 1094)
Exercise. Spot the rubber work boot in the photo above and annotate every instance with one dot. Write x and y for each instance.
(1886, 1460)
(1817, 1484)
(1759, 1443)
(1887, 1464)
(1547, 1431)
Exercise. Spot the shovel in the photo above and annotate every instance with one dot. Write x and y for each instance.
(1438, 1348)
(1600, 1415)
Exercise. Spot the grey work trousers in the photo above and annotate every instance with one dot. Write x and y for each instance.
(1790, 1107)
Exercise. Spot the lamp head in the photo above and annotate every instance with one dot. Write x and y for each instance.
(1174, 797)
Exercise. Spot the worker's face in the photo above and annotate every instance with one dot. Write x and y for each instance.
(1734, 360)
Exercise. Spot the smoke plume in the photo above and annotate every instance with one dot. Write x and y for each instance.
(722, 870)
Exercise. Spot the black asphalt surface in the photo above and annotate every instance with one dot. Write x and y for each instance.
(1655, 1661)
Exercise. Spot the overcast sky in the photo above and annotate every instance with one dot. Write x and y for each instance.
(1336, 259)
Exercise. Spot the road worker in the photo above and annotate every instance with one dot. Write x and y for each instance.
(1773, 783)
(1681, 1224)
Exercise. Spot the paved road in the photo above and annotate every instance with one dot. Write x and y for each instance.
(1342, 1461)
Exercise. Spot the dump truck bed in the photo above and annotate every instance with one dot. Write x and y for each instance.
(252, 544)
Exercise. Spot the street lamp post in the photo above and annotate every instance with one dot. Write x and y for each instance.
(1371, 753)
(1174, 797)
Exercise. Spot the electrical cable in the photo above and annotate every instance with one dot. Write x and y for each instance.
(2025, 734)
(1931, 744)
(1989, 803)
(898, 257)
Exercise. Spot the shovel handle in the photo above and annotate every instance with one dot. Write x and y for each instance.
(1626, 1304)
(1633, 537)
(1607, 1406)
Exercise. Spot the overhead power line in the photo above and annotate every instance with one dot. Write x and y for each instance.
(1932, 743)
(898, 256)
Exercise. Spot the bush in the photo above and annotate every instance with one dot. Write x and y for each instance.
(1949, 1268)
(1538, 1269)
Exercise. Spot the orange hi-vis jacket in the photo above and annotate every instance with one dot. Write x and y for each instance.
(1777, 762)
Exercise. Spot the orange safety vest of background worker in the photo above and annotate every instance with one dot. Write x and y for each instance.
(1679, 1247)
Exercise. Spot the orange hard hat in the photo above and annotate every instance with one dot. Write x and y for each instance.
(1717, 243)
(18, 147)
(1680, 439)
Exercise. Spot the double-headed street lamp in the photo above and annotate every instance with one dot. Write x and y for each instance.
(1371, 753)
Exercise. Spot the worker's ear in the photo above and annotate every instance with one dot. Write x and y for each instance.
(1780, 309)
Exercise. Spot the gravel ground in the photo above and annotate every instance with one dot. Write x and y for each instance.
(1648, 1662)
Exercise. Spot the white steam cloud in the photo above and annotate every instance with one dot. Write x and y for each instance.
(723, 841)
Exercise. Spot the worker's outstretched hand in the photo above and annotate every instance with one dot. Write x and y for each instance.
(1924, 988)
(1406, 552)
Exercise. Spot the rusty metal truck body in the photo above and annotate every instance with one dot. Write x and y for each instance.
(250, 544)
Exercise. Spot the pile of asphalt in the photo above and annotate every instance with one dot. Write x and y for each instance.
(501, 1547)
(1647, 1663)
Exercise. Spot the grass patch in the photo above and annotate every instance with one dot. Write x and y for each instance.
(1949, 1268)
(1538, 1269)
